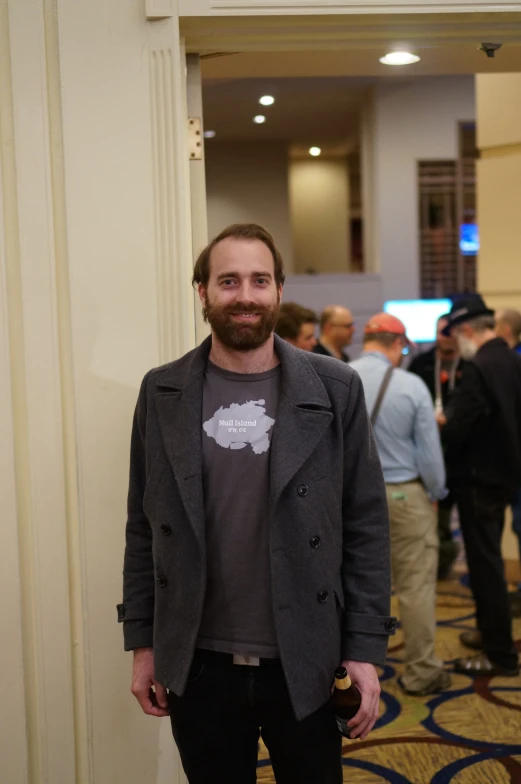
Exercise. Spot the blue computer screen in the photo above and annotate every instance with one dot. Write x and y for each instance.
(469, 239)
(419, 316)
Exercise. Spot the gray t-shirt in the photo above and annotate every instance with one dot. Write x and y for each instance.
(238, 419)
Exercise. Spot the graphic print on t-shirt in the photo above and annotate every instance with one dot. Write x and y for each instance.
(241, 424)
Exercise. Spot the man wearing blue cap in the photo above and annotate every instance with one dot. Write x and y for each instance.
(482, 438)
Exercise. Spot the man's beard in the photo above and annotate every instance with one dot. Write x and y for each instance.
(467, 348)
(241, 336)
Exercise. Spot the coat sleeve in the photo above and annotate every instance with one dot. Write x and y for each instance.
(137, 610)
(366, 566)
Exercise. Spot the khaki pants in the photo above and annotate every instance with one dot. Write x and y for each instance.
(414, 557)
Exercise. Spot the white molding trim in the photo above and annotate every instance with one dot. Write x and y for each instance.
(192, 8)
(171, 190)
(37, 414)
(13, 712)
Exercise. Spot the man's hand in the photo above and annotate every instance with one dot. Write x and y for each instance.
(365, 678)
(143, 681)
(441, 419)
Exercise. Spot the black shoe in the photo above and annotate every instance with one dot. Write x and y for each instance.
(472, 639)
(481, 665)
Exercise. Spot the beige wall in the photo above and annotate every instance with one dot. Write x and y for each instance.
(499, 188)
(248, 182)
(319, 206)
(95, 262)
(407, 122)
(498, 199)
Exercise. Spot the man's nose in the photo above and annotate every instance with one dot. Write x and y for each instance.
(246, 292)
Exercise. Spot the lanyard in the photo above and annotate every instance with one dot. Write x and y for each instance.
(437, 380)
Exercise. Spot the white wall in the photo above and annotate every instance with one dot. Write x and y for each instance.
(362, 294)
(248, 182)
(410, 122)
(319, 209)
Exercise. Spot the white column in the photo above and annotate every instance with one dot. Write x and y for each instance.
(95, 268)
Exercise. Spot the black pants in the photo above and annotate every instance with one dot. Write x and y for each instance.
(448, 547)
(227, 707)
(482, 516)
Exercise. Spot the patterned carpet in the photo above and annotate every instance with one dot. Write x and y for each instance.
(470, 734)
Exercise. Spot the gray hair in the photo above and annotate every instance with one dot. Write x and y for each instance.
(481, 323)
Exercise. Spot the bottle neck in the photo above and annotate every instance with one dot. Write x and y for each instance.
(343, 683)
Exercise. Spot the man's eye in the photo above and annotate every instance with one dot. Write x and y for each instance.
(262, 281)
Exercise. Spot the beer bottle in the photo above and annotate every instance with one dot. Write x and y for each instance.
(346, 700)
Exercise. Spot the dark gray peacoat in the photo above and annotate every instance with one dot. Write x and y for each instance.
(329, 529)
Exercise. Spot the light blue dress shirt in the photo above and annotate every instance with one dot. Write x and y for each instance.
(406, 432)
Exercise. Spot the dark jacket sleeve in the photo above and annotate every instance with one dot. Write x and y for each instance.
(137, 610)
(366, 565)
(467, 405)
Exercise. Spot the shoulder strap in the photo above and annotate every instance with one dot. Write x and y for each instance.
(381, 393)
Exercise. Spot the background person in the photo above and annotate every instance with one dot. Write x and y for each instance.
(296, 325)
(441, 369)
(482, 436)
(508, 327)
(337, 328)
(408, 443)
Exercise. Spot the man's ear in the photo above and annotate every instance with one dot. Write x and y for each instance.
(201, 290)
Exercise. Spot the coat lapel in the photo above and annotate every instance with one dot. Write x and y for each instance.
(179, 400)
(303, 416)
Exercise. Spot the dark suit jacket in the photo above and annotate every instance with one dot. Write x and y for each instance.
(322, 350)
(424, 366)
(330, 602)
(482, 436)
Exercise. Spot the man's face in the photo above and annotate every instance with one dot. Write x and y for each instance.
(341, 328)
(444, 343)
(504, 330)
(464, 336)
(241, 300)
(306, 339)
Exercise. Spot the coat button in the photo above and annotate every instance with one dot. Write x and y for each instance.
(390, 625)
(302, 490)
(162, 581)
(322, 597)
(315, 541)
(166, 530)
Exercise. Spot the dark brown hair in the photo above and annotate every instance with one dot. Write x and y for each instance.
(246, 231)
(291, 318)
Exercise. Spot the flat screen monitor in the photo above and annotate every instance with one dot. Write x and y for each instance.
(469, 239)
(419, 316)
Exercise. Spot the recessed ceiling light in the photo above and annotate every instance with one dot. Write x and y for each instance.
(315, 151)
(399, 58)
(267, 100)
(259, 119)
(209, 134)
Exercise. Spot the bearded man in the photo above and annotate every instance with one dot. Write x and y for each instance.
(482, 437)
(257, 541)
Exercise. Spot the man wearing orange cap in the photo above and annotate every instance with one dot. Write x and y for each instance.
(409, 446)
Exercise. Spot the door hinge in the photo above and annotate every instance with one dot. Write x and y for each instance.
(195, 139)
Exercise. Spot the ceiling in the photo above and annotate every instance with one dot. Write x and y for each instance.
(348, 32)
(437, 58)
(304, 110)
(321, 68)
